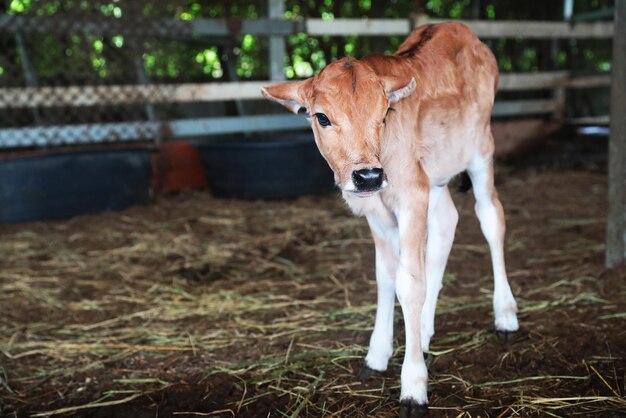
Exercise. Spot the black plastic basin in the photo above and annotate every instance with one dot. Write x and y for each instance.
(280, 167)
(66, 184)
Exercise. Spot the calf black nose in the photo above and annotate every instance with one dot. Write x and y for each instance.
(368, 179)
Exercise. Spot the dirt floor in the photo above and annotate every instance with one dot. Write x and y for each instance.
(194, 306)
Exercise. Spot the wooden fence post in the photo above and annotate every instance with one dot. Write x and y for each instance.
(276, 10)
(616, 226)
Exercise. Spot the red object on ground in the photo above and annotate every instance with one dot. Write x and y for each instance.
(177, 166)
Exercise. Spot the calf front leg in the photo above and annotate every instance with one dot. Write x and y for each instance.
(411, 291)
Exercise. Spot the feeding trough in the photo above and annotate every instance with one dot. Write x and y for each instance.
(62, 184)
(278, 167)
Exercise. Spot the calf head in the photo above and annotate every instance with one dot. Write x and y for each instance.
(347, 103)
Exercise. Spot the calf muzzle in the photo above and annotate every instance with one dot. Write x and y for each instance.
(368, 180)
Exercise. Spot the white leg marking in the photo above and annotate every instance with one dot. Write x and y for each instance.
(491, 216)
(410, 288)
(414, 376)
(442, 220)
(381, 341)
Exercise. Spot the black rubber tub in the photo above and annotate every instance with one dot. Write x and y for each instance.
(65, 184)
(278, 167)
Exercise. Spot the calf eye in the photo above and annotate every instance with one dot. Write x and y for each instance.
(322, 119)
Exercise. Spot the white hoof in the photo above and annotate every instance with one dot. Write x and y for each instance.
(414, 382)
(507, 321)
(378, 360)
(505, 310)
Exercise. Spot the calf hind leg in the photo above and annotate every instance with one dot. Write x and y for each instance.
(442, 220)
(491, 216)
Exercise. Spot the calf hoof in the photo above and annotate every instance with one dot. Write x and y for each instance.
(409, 408)
(366, 373)
(507, 336)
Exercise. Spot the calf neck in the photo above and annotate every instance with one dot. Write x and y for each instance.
(395, 130)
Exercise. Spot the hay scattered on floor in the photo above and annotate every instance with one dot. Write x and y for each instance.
(203, 307)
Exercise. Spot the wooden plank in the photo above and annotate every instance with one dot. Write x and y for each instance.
(602, 80)
(531, 29)
(616, 227)
(360, 27)
(235, 124)
(549, 80)
(532, 81)
(274, 26)
(523, 107)
(141, 131)
(244, 90)
(589, 120)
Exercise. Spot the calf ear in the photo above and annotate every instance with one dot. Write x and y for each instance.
(291, 95)
(398, 89)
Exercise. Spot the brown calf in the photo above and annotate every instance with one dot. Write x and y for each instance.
(395, 130)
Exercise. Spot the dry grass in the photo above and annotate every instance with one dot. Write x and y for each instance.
(201, 307)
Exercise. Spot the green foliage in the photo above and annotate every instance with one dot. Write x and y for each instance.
(307, 56)
(110, 58)
(19, 6)
(210, 62)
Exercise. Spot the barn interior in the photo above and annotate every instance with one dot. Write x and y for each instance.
(139, 277)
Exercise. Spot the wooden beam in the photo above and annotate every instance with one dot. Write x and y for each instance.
(616, 227)
(277, 50)
(483, 28)
(532, 81)
(360, 27)
(17, 97)
(589, 120)
(601, 80)
(523, 107)
(228, 27)
(549, 80)
(531, 29)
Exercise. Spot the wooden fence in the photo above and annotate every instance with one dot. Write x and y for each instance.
(77, 96)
